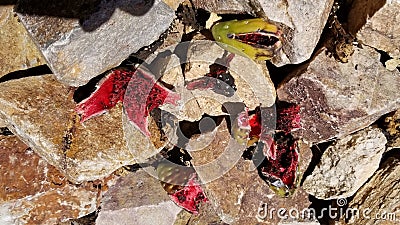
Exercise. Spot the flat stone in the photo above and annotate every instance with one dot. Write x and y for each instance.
(24, 173)
(340, 98)
(40, 110)
(379, 196)
(375, 23)
(137, 198)
(34, 192)
(305, 22)
(346, 165)
(17, 50)
(81, 45)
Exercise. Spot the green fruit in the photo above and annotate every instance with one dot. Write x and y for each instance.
(255, 38)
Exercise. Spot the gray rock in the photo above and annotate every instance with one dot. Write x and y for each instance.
(305, 20)
(339, 98)
(225, 6)
(380, 196)
(376, 24)
(137, 198)
(82, 47)
(346, 165)
(17, 50)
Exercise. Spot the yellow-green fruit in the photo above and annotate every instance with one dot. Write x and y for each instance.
(255, 38)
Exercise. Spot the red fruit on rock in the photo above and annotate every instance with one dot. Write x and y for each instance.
(110, 91)
(143, 95)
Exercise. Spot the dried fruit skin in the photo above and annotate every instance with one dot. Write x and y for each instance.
(110, 91)
(182, 186)
(142, 96)
(255, 38)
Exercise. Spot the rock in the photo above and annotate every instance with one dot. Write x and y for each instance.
(34, 192)
(207, 215)
(225, 6)
(346, 165)
(137, 198)
(339, 98)
(236, 201)
(375, 23)
(252, 81)
(40, 111)
(378, 197)
(17, 50)
(392, 130)
(305, 22)
(114, 29)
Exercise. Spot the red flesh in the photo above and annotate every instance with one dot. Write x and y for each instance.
(109, 92)
(142, 96)
(190, 196)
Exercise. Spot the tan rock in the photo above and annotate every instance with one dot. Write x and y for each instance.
(346, 165)
(17, 50)
(34, 192)
(207, 215)
(379, 198)
(40, 111)
(376, 24)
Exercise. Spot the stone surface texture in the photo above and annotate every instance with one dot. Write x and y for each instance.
(346, 165)
(78, 49)
(137, 198)
(17, 50)
(339, 98)
(225, 6)
(40, 110)
(375, 23)
(34, 192)
(380, 196)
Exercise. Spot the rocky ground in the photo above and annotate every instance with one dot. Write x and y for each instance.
(128, 112)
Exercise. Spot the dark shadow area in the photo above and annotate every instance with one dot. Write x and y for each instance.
(90, 13)
(5, 131)
(35, 71)
(8, 2)
(320, 207)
